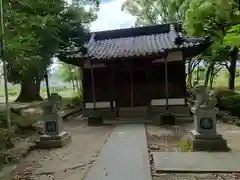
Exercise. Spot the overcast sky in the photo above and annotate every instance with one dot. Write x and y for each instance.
(110, 16)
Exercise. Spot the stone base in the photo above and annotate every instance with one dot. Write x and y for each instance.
(168, 119)
(208, 142)
(95, 120)
(48, 142)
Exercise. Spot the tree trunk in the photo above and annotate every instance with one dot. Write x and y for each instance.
(77, 85)
(207, 76)
(30, 91)
(232, 69)
(211, 79)
(38, 85)
(47, 85)
(72, 81)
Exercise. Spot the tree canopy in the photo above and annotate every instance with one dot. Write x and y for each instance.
(232, 38)
(35, 31)
(219, 20)
(155, 11)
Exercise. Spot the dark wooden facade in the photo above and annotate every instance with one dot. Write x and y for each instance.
(134, 85)
(142, 66)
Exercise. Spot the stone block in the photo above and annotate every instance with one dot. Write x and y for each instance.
(196, 162)
(168, 119)
(205, 120)
(212, 136)
(208, 142)
(95, 120)
(212, 145)
(49, 142)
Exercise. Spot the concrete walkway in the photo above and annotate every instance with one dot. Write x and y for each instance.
(124, 156)
(214, 162)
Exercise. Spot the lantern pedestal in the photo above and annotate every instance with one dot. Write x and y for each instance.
(53, 136)
(57, 141)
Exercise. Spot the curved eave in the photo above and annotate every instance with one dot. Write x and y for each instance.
(196, 50)
(71, 60)
(198, 45)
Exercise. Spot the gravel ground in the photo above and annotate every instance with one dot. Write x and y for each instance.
(71, 162)
(166, 139)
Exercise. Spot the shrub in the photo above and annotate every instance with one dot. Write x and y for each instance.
(226, 102)
(55, 96)
(231, 103)
(235, 109)
(223, 93)
(220, 92)
(77, 100)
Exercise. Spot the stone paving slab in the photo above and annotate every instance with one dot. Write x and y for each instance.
(124, 156)
(197, 162)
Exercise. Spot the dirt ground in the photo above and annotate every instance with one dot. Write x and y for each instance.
(71, 162)
(166, 139)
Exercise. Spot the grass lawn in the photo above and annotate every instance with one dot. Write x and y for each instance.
(221, 80)
(13, 92)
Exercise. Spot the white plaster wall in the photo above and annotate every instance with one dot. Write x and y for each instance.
(173, 56)
(90, 105)
(171, 101)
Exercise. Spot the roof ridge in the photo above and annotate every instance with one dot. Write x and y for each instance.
(137, 31)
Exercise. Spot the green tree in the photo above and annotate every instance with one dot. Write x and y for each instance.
(232, 38)
(73, 74)
(155, 11)
(214, 18)
(35, 31)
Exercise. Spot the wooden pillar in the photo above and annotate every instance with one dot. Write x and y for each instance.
(131, 85)
(149, 94)
(93, 86)
(115, 91)
(166, 80)
(113, 88)
(148, 86)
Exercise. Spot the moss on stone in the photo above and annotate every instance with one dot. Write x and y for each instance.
(185, 145)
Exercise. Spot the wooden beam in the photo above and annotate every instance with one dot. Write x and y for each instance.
(87, 65)
(93, 87)
(166, 81)
(172, 56)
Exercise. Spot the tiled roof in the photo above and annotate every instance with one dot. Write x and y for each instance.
(133, 42)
